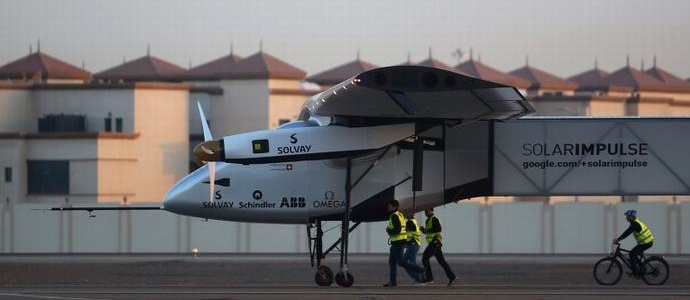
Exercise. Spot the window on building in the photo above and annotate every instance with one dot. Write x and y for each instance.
(108, 124)
(118, 124)
(8, 174)
(48, 177)
(283, 121)
(62, 123)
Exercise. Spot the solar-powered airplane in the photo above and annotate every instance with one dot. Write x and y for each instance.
(377, 136)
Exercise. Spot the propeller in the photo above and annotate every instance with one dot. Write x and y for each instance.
(208, 149)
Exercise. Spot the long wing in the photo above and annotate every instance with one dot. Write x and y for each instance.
(408, 93)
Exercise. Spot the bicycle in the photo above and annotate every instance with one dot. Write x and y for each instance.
(608, 270)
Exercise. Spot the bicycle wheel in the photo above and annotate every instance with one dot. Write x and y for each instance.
(655, 271)
(607, 271)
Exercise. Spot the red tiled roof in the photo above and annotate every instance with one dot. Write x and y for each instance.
(342, 72)
(49, 67)
(477, 69)
(262, 65)
(146, 68)
(632, 78)
(666, 77)
(593, 77)
(542, 80)
(672, 82)
(212, 70)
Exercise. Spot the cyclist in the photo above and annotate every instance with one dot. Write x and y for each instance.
(642, 235)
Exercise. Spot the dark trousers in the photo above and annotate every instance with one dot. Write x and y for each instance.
(434, 249)
(635, 254)
(395, 259)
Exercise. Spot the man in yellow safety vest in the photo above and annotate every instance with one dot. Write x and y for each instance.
(643, 236)
(434, 240)
(397, 237)
(413, 242)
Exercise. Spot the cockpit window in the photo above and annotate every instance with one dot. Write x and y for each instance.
(304, 114)
(298, 124)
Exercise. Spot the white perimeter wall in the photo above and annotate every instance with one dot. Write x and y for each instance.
(469, 227)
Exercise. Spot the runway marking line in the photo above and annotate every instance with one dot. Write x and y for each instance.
(46, 297)
(361, 290)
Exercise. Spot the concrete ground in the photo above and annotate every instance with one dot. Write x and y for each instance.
(289, 276)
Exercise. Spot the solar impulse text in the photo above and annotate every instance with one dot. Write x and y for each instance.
(584, 155)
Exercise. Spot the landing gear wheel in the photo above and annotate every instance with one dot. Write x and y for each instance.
(344, 279)
(323, 276)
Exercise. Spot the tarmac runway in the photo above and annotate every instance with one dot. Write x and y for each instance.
(290, 276)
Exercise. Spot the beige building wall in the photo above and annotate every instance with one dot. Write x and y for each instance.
(82, 157)
(162, 119)
(117, 169)
(98, 167)
(650, 107)
(64, 81)
(94, 103)
(680, 108)
(569, 107)
(242, 108)
(284, 107)
(15, 106)
(13, 155)
(607, 107)
(290, 84)
(674, 96)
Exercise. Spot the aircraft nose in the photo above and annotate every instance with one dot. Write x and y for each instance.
(173, 198)
(180, 196)
(187, 194)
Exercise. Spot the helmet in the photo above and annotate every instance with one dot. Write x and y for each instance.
(631, 213)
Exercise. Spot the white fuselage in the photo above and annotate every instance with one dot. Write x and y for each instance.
(295, 192)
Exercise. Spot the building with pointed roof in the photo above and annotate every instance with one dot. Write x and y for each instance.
(629, 78)
(589, 78)
(340, 73)
(262, 65)
(212, 70)
(476, 68)
(92, 142)
(542, 81)
(258, 92)
(41, 67)
(671, 81)
(145, 68)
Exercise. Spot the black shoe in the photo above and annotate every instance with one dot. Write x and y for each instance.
(390, 284)
(452, 281)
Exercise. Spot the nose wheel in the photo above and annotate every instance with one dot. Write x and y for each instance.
(344, 279)
(323, 276)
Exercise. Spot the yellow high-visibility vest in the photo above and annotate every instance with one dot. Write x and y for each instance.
(645, 235)
(430, 236)
(403, 234)
(415, 234)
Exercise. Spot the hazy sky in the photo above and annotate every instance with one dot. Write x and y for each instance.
(563, 37)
